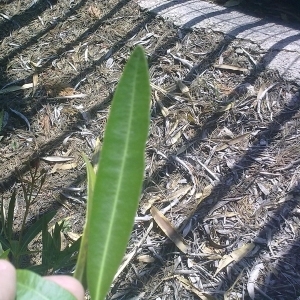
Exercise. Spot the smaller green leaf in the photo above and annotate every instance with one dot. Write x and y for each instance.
(10, 215)
(31, 286)
(80, 271)
(2, 219)
(90, 174)
(35, 229)
(14, 248)
(56, 237)
(39, 269)
(1, 118)
(66, 259)
(4, 242)
(47, 245)
(3, 233)
(3, 254)
(51, 245)
(69, 254)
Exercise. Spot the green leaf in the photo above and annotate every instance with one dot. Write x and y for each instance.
(1, 118)
(14, 249)
(31, 286)
(4, 242)
(65, 259)
(53, 257)
(120, 175)
(80, 271)
(3, 233)
(35, 229)
(46, 249)
(56, 237)
(10, 215)
(3, 254)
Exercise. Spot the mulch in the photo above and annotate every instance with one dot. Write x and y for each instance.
(222, 159)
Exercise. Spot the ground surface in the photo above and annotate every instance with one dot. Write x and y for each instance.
(222, 155)
(274, 10)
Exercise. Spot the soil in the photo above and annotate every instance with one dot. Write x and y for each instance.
(222, 156)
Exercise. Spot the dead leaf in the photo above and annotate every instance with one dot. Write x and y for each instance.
(212, 243)
(63, 167)
(73, 236)
(226, 133)
(236, 140)
(56, 158)
(179, 193)
(185, 62)
(45, 123)
(176, 136)
(260, 95)
(236, 256)
(35, 79)
(263, 90)
(220, 216)
(164, 110)
(229, 67)
(94, 12)
(173, 140)
(190, 287)
(223, 108)
(228, 292)
(187, 225)
(192, 119)
(145, 259)
(183, 88)
(14, 88)
(96, 154)
(175, 123)
(252, 279)
(166, 226)
(145, 207)
(205, 193)
(263, 188)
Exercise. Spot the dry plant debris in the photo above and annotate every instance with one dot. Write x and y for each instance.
(222, 156)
